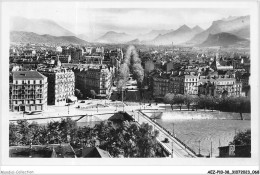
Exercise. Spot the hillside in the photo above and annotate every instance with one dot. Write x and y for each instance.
(30, 37)
(114, 37)
(239, 26)
(222, 39)
(39, 26)
(181, 35)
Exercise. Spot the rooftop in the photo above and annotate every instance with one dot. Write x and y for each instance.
(24, 75)
(95, 152)
(44, 151)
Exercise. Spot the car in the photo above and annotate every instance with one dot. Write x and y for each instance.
(82, 101)
(166, 140)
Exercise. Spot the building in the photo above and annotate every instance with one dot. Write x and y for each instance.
(191, 84)
(93, 77)
(59, 49)
(160, 85)
(43, 151)
(61, 84)
(100, 50)
(235, 151)
(28, 91)
(94, 152)
(176, 85)
(64, 58)
(76, 55)
(219, 87)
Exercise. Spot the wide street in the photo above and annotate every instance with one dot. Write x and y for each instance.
(90, 107)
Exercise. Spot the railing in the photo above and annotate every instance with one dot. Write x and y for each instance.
(169, 133)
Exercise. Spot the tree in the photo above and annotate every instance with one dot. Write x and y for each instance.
(179, 100)
(93, 93)
(138, 72)
(146, 142)
(235, 104)
(242, 105)
(68, 128)
(25, 132)
(54, 133)
(123, 76)
(35, 130)
(210, 102)
(242, 138)
(168, 99)
(202, 102)
(78, 94)
(14, 136)
(188, 100)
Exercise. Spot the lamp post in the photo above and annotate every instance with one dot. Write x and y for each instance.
(172, 149)
(199, 146)
(173, 130)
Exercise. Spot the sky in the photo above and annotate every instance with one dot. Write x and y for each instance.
(80, 18)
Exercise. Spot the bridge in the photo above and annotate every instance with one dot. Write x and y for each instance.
(175, 147)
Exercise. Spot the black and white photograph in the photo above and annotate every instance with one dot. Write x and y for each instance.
(172, 83)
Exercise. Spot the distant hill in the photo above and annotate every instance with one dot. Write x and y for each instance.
(135, 41)
(222, 39)
(181, 35)
(30, 37)
(152, 34)
(115, 37)
(239, 26)
(38, 26)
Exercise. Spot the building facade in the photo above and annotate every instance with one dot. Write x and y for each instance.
(28, 91)
(61, 85)
(94, 77)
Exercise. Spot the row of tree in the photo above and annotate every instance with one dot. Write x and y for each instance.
(128, 139)
(227, 104)
(131, 64)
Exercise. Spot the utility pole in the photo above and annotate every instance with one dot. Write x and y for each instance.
(172, 149)
(199, 147)
(173, 129)
(211, 149)
(68, 108)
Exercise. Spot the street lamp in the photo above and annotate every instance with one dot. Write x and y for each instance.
(172, 149)
(173, 130)
(199, 146)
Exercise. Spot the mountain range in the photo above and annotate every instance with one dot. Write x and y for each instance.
(179, 36)
(239, 26)
(30, 37)
(223, 39)
(39, 26)
(114, 37)
(41, 30)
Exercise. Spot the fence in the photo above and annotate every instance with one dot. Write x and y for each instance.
(165, 130)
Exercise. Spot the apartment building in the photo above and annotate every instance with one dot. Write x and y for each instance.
(28, 91)
(61, 84)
